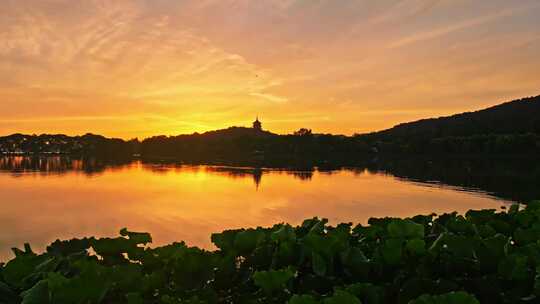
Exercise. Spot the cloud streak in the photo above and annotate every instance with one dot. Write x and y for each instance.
(433, 34)
(165, 66)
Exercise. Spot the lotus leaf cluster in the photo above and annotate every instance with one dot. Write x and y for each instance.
(483, 256)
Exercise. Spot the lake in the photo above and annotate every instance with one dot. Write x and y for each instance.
(44, 199)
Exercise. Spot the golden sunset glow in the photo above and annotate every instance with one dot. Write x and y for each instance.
(146, 67)
(167, 202)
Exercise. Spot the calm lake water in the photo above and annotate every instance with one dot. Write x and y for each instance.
(49, 198)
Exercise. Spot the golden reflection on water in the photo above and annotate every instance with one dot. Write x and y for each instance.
(190, 202)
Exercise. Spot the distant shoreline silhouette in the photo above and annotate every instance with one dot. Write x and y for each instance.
(511, 128)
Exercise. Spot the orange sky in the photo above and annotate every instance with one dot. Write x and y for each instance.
(146, 67)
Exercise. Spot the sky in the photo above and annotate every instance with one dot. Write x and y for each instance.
(147, 67)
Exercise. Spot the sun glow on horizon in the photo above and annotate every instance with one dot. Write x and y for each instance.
(172, 203)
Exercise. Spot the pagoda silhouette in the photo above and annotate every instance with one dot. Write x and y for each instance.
(257, 125)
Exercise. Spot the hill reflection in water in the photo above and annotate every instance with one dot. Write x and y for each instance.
(58, 165)
(57, 197)
(511, 179)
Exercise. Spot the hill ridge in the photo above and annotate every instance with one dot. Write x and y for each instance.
(512, 117)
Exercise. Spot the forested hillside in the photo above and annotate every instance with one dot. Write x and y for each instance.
(514, 117)
(256, 147)
(509, 128)
(512, 127)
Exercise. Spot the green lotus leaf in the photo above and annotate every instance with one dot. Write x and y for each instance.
(319, 264)
(224, 240)
(399, 228)
(449, 298)
(113, 246)
(246, 241)
(38, 294)
(66, 248)
(284, 234)
(134, 298)
(416, 247)
(342, 297)
(367, 293)
(272, 280)
(137, 237)
(515, 267)
(392, 251)
(7, 295)
(16, 270)
(302, 299)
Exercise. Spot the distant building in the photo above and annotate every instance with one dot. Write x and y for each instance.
(257, 177)
(257, 125)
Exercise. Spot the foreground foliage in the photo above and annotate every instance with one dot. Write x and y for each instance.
(482, 257)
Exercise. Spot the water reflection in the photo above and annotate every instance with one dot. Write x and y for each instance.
(58, 165)
(48, 198)
(256, 174)
(514, 179)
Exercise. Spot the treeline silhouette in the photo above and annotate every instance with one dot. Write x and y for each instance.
(509, 128)
(512, 127)
(86, 145)
(251, 146)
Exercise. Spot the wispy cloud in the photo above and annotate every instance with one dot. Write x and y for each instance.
(122, 66)
(270, 97)
(433, 34)
(68, 118)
